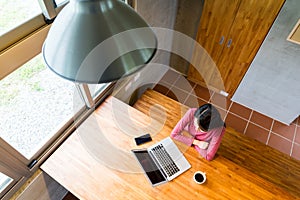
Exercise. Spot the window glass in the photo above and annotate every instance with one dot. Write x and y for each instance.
(34, 104)
(4, 181)
(96, 89)
(59, 2)
(16, 12)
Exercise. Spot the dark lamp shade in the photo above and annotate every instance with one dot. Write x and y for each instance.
(98, 41)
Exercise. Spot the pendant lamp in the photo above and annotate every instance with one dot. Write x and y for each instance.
(98, 41)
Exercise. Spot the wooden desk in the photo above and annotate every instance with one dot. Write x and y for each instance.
(95, 163)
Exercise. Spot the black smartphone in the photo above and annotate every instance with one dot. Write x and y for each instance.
(143, 139)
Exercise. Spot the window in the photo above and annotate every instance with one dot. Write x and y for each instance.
(14, 13)
(4, 181)
(37, 107)
(60, 2)
(34, 101)
(96, 89)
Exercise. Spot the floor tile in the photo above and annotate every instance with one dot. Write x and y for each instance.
(184, 84)
(194, 102)
(235, 122)
(222, 112)
(177, 94)
(170, 76)
(220, 101)
(297, 137)
(284, 130)
(202, 92)
(161, 88)
(261, 120)
(296, 151)
(280, 143)
(296, 121)
(240, 110)
(257, 133)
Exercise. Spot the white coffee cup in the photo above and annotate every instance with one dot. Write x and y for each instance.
(199, 177)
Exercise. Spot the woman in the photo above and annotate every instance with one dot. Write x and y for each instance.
(206, 127)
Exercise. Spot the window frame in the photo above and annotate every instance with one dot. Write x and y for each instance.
(18, 46)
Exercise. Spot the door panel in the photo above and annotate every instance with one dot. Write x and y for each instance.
(215, 23)
(251, 25)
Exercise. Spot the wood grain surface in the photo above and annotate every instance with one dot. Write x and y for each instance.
(231, 31)
(95, 161)
(262, 160)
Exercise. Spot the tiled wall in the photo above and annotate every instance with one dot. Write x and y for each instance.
(251, 123)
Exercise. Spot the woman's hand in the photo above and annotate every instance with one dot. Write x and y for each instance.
(201, 144)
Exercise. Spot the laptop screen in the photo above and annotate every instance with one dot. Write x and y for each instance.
(153, 173)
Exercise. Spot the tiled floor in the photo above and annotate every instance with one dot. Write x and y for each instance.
(251, 123)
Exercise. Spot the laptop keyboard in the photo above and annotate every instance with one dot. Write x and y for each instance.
(165, 160)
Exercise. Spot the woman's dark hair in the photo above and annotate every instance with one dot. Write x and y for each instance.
(208, 117)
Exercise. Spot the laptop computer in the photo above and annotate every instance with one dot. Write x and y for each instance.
(162, 161)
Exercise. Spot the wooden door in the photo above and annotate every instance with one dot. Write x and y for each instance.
(252, 23)
(215, 23)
